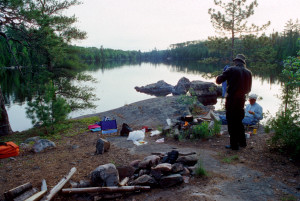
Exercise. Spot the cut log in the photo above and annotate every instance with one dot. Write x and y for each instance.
(37, 196)
(11, 194)
(60, 185)
(113, 189)
(25, 195)
(44, 185)
(124, 181)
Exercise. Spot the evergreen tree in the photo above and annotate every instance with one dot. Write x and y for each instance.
(234, 19)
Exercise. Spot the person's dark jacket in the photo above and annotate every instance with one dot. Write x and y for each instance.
(239, 80)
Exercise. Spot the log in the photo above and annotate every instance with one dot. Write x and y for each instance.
(25, 195)
(44, 185)
(113, 189)
(40, 194)
(37, 196)
(124, 181)
(60, 185)
(11, 194)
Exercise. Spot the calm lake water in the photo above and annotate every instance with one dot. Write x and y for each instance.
(115, 88)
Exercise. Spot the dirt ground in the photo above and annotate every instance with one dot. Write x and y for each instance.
(78, 151)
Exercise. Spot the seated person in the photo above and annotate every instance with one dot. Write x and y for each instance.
(253, 112)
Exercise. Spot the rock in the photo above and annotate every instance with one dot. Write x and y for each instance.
(163, 167)
(144, 180)
(25, 147)
(135, 163)
(161, 88)
(143, 172)
(32, 139)
(188, 160)
(149, 162)
(186, 179)
(156, 174)
(125, 171)
(171, 180)
(43, 144)
(185, 172)
(102, 146)
(75, 146)
(105, 175)
(177, 167)
(206, 92)
(182, 87)
(81, 184)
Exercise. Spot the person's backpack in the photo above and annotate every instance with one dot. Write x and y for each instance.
(8, 149)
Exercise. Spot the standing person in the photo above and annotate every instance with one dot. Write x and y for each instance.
(239, 81)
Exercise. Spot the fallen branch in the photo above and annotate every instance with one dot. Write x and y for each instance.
(113, 189)
(60, 185)
(11, 194)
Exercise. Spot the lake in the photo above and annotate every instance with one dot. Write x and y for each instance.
(115, 87)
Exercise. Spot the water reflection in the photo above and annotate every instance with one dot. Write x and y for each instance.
(116, 82)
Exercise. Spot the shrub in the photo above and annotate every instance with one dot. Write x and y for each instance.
(286, 124)
(201, 131)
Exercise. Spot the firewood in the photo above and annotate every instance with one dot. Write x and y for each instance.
(25, 195)
(60, 185)
(11, 194)
(124, 181)
(37, 196)
(40, 194)
(113, 189)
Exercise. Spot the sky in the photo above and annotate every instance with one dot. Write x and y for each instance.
(148, 24)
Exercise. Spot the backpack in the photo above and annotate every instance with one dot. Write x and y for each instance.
(8, 149)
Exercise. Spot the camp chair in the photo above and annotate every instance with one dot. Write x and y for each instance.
(253, 126)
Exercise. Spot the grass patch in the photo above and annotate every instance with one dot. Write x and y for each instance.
(67, 128)
(230, 159)
(289, 198)
(200, 171)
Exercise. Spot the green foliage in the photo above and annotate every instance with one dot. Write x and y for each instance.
(47, 108)
(216, 128)
(289, 198)
(233, 20)
(201, 131)
(200, 171)
(286, 124)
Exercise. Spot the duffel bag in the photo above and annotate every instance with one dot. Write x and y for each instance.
(8, 149)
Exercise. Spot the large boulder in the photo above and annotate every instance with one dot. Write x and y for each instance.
(182, 87)
(43, 144)
(206, 92)
(161, 88)
(105, 175)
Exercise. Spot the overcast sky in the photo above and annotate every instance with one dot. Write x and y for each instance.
(148, 24)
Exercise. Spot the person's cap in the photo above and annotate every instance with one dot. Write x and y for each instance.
(253, 96)
(240, 57)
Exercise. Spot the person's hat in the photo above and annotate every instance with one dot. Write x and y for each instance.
(253, 96)
(240, 57)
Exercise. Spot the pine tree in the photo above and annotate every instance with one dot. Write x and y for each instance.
(234, 19)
